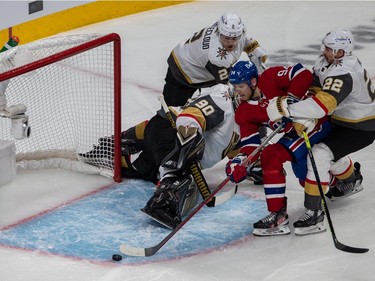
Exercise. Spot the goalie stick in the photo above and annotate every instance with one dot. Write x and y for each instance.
(197, 172)
(338, 245)
(149, 251)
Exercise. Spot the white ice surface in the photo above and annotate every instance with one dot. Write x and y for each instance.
(147, 39)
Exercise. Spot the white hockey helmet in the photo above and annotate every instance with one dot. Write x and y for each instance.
(230, 25)
(340, 39)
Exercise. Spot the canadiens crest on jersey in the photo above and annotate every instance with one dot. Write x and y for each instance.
(222, 53)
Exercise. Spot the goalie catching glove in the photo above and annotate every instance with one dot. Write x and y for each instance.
(277, 110)
(235, 170)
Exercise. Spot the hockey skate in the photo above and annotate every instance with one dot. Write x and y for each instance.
(276, 223)
(173, 199)
(310, 222)
(344, 189)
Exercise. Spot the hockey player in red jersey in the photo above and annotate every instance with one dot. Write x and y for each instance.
(345, 93)
(255, 91)
(204, 59)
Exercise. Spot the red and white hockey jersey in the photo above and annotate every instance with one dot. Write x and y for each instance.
(293, 81)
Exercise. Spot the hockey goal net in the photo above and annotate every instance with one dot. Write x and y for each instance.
(71, 87)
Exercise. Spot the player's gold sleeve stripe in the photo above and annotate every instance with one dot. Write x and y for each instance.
(327, 100)
(195, 113)
(180, 68)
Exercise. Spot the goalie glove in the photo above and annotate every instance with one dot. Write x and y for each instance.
(278, 108)
(301, 125)
(235, 170)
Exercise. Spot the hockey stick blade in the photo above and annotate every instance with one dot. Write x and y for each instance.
(349, 249)
(149, 251)
(338, 245)
(224, 196)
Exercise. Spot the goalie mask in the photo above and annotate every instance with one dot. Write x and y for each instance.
(340, 39)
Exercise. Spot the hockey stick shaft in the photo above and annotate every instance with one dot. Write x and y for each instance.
(196, 171)
(133, 251)
(166, 110)
(338, 245)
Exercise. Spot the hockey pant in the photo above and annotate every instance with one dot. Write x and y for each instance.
(289, 147)
(177, 90)
(159, 140)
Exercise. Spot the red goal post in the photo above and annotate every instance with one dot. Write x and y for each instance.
(71, 89)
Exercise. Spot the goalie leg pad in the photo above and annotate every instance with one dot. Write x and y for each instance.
(189, 147)
(174, 198)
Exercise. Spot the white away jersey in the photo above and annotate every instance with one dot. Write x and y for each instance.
(213, 114)
(202, 58)
(351, 86)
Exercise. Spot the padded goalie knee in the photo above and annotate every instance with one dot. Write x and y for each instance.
(175, 197)
(189, 146)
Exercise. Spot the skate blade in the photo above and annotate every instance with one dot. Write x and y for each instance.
(156, 219)
(352, 192)
(280, 230)
(319, 227)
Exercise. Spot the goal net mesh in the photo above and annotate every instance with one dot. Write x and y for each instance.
(68, 85)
